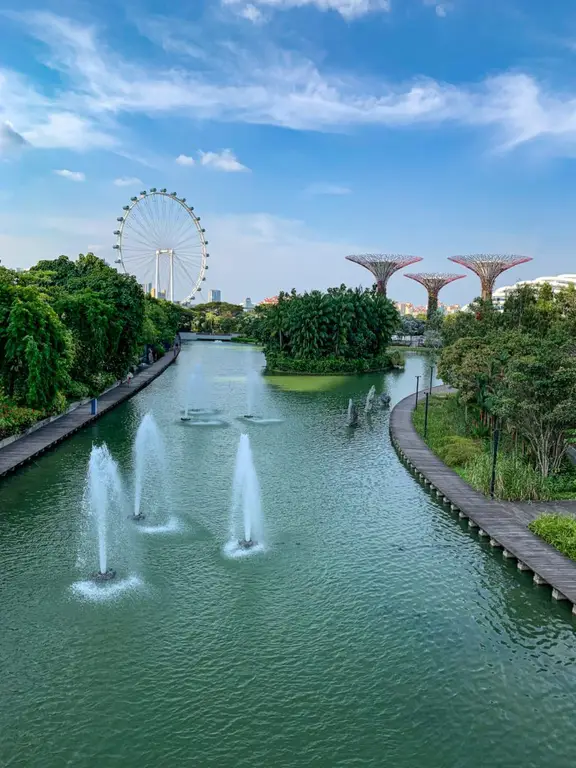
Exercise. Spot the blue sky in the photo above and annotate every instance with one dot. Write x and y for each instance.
(312, 128)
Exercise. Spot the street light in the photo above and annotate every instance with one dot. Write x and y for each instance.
(495, 441)
(417, 387)
(426, 415)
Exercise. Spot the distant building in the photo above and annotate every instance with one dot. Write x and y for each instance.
(248, 305)
(214, 295)
(271, 300)
(556, 282)
(147, 288)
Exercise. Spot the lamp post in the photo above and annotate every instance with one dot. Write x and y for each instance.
(495, 441)
(417, 387)
(426, 415)
(431, 377)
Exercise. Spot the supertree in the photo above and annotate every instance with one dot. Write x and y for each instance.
(383, 265)
(488, 266)
(433, 282)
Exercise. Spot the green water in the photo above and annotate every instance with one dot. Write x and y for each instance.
(375, 630)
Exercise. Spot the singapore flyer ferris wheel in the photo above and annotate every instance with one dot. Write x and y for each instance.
(161, 242)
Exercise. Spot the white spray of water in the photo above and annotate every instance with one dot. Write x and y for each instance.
(246, 512)
(103, 495)
(197, 393)
(370, 399)
(150, 466)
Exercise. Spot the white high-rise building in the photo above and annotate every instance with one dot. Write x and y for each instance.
(214, 295)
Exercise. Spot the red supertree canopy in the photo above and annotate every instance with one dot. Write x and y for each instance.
(383, 265)
(488, 266)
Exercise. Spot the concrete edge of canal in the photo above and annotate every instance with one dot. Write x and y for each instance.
(495, 520)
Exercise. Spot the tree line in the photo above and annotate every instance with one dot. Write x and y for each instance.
(68, 330)
(516, 369)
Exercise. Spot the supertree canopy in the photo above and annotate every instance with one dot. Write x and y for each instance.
(488, 266)
(433, 282)
(383, 265)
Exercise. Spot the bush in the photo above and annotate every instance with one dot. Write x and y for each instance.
(280, 363)
(77, 391)
(397, 359)
(14, 419)
(557, 530)
(516, 478)
(459, 451)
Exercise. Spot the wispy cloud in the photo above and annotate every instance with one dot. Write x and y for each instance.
(128, 181)
(225, 160)
(185, 160)
(266, 87)
(251, 13)
(327, 189)
(441, 9)
(10, 140)
(349, 9)
(71, 175)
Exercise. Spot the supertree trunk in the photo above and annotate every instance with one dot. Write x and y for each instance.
(433, 282)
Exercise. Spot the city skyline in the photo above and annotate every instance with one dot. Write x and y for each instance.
(300, 131)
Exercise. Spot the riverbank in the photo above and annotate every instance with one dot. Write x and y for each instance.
(277, 363)
(24, 449)
(504, 523)
(465, 445)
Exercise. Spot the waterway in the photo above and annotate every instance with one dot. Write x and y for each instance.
(373, 631)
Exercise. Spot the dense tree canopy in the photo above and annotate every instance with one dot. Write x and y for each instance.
(518, 365)
(349, 327)
(70, 328)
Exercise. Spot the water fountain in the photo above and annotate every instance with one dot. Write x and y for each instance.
(103, 493)
(246, 512)
(352, 414)
(256, 395)
(370, 399)
(150, 466)
(198, 411)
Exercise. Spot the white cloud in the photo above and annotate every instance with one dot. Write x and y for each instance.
(441, 10)
(10, 140)
(72, 175)
(349, 9)
(128, 181)
(185, 160)
(225, 160)
(251, 13)
(268, 87)
(327, 189)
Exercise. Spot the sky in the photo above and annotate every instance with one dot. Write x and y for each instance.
(300, 131)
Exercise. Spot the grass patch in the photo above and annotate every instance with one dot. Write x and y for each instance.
(450, 438)
(557, 530)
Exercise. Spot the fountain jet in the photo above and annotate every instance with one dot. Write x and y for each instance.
(246, 501)
(149, 463)
(352, 414)
(103, 490)
(370, 399)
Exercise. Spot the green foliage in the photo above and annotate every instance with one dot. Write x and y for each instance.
(217, 317)
(69, 329)
(277, 362)
(518, 366)
(557, 530)
(15, 419)
(349, 329)
(450, 437)
(396, 359)
(459, 451)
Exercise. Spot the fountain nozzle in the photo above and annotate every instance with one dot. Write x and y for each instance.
(106, 576)
(246, 543)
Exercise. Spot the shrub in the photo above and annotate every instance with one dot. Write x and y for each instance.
(459, 451)
(516, 478)
(557, 530)
(397, 359)
(14, 419)
(277, 362)
(77, 391)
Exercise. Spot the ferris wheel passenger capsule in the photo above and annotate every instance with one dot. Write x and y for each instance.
(116, 232)
(133, 199)
(152, 189)
(120, 218)
(126, 208)
(163, 190)
(116, 247)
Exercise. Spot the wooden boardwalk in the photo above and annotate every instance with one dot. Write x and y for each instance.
(26, 448)
(505, 523)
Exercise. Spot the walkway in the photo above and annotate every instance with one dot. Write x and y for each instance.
(504, 522)
(26, 448)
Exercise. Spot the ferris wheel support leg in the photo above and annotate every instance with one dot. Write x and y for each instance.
(157, 277)
(172, 276)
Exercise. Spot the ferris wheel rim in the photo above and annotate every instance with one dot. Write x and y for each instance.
(127, 210)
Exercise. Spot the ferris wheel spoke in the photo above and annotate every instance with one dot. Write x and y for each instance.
(153, 223)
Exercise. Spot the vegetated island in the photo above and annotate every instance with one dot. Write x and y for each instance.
(340, 331)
